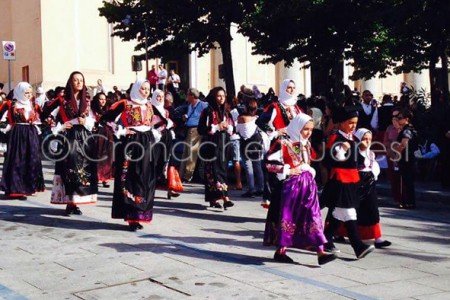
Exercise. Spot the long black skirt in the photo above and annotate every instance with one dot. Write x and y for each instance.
(271, 231)
(367, 212)
(161, 153)
(134, 178)
(105, 145)
(216, 156)
(22, 169)
(75, 180)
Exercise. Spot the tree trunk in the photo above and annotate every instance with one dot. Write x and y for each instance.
(445, 89)
(337, 77)
(433, 81)
(227, 58)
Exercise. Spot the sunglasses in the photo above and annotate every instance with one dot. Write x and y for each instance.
(397, 117)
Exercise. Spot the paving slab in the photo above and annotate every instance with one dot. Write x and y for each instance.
(191, 251)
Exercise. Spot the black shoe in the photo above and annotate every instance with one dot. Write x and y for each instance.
(69, 210)
(76, 211)
(228, 203)
(248, 195)
(105, 184)
(366, 249)
(326, 258)
(382, 244)
(73, 210)
(215, 204)
(258, 194)
(133, 226)
(139, 226)
(171, 194)
(331, 248)
(283, 258)
(339, 239)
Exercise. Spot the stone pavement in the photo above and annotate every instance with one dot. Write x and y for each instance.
(190, 251)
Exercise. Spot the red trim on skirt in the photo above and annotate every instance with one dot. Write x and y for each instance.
(365, 232)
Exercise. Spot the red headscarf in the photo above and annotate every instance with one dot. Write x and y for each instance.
(70, 97)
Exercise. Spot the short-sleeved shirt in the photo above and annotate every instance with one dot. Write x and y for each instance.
(408, 132)
(194, 113)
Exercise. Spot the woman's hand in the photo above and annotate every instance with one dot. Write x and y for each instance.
(295, 171)
(81, 120)
(130, 132)
(68, 125)
(223, 125)
(282, 131)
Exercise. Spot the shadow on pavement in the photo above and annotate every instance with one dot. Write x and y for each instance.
(193, 252)
(40, 216)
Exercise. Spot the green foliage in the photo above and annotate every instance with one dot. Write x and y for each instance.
(176, 27)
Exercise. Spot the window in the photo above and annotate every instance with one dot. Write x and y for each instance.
(26, 74)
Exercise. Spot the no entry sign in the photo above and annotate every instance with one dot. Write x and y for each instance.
(9, 50)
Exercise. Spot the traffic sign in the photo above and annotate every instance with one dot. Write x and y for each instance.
(9, 50)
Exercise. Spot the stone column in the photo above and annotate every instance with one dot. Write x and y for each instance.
(193, 69)
(373, 85)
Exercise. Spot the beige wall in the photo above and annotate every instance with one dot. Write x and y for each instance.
(20, 21)
(77, 38)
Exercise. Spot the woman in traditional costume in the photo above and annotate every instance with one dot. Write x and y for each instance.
(163, 149)
(299, 223)
(135, 177)
(274, 122)
(216, 126)
(22, 169)
(105, 140)
(75, 180)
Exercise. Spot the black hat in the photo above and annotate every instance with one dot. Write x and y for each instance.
(342, 114)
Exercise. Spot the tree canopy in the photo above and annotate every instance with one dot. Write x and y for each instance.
(179, 26)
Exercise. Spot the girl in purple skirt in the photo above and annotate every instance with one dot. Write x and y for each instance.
(300, 221)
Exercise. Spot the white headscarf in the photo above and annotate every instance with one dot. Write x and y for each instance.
(296, 125)
(317, 117)
(359, 134)
(135, 94)
(158, 105)
(19, 95)
(285, 98)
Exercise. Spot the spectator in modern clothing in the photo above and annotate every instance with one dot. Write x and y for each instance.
(59, 92)
(407, 142)
(427, 155)
(251, 149)
(404, 89)
(193, 139)
(152, 77)
(100, 88)
(162, 77)
(368, 117)
(117, 92)
(173, 86)
(390, 137)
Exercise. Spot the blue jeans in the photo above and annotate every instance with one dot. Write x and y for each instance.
(254, 173)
